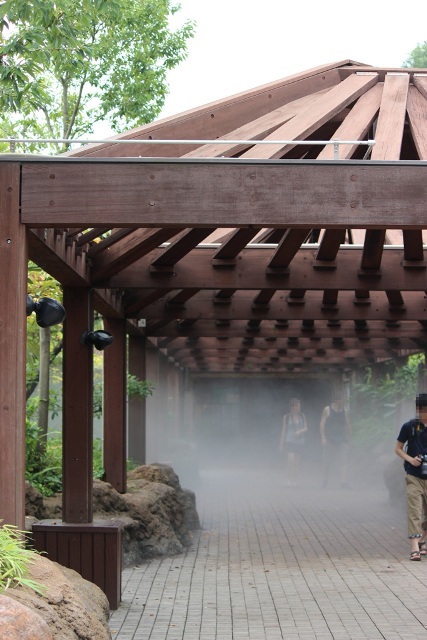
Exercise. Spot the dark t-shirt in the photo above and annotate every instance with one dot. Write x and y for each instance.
(414, 432)
(335, 426)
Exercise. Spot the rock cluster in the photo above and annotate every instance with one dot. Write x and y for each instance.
(157, 514)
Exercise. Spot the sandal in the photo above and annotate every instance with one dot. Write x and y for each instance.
(423, 550)
(415, 555)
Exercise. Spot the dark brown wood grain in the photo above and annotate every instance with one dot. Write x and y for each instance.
(220, 194)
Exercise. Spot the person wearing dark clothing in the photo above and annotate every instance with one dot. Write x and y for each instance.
(335, 434)
(413, 434)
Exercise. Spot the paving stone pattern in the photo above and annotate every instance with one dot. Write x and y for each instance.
(273, 562)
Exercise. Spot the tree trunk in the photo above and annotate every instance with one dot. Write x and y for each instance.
(43, 414)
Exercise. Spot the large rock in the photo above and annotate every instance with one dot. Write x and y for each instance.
(157, 514)
(34, 505)
(166, 475)
(18, 622)
(71, 607)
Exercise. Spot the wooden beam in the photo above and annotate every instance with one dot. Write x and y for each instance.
(13, 287)
(241, 306)
(77, 496)
(137, 449)
(182, 193)
(271, 329)
(218, 118)
(114, 405)
(391, 118)
(128, 250)
(356, 124)
(308, 120)
(417, 115)
(250, 272)
(48, 248)
(255, 129)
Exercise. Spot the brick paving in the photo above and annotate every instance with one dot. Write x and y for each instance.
(273, 562)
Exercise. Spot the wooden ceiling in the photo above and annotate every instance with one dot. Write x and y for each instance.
(254, 258)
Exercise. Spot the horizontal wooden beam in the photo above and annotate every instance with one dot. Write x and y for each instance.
(250, 271)
(269, 329)
(240, 307)
(224, 193)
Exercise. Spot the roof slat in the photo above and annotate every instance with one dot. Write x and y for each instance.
(356, 125)
(417, 114)
(255, 130)
(183, 245)
(128, 250)
(313, 117)
(391, 118)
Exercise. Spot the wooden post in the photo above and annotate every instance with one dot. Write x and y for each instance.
(114, 407)
(152, 417)
(137, 406)
(13, 289)
(77, 493)
(91, 548)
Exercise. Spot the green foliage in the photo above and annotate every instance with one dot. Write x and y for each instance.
(98, 464)
(418, 57)
(71, 63)
(375, 403)
(15, 560)
(136, 388)
(43, 465)
(43, 470)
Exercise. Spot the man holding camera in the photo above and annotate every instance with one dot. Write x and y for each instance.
(414, 434)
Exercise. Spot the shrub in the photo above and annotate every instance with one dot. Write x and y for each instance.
(15, 559)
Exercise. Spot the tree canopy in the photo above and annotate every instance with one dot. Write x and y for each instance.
(418, 57)
(68, 64)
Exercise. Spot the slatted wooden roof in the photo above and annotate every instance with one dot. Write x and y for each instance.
(245, 257)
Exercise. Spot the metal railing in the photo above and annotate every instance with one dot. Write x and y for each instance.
(336, 143)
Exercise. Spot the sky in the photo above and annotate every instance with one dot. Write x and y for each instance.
(241, 44)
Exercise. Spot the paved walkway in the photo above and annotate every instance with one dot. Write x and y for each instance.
(273, 563)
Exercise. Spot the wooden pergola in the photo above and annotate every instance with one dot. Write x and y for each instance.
(232, 257)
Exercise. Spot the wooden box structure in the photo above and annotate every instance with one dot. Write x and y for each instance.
(92, 549)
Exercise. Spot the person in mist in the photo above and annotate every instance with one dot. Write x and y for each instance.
(413, 434)
(335, 435)
(294, 427)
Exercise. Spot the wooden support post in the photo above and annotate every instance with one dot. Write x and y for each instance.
(153, 374)
(77, 493)
(137, 406)
(91, 548)
(188, 408)
(13, 289)
(114, 408)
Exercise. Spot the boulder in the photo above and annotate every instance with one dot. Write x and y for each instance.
(18, 622)
(34, 505)
(157, 514)
(72, 608)
(164, 474)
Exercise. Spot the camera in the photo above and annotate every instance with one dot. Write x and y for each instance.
(423, 467)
